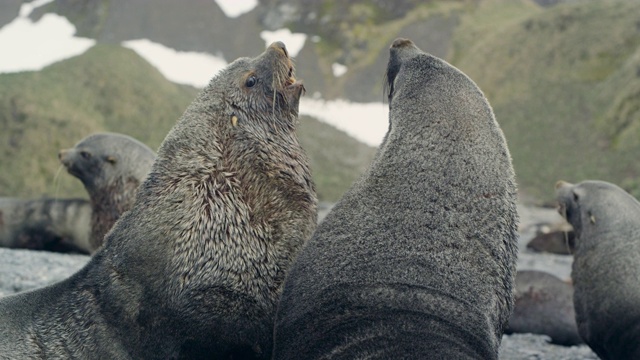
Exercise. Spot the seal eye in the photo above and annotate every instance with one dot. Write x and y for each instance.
(251, 81)
(85, 155)
(575, 197)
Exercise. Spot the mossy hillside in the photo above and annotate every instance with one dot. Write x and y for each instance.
(110, 88)
(336, 158)
(563, 85)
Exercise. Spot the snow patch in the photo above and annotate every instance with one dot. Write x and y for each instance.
(293, 41)
(367, 122)
(27, 9)
(338, 69)
(29, 46)
(191, 68)
(235, 8)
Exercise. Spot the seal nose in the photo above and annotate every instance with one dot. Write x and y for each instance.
(62, 154)
(562, 183)
(401, 42)
(279, 45)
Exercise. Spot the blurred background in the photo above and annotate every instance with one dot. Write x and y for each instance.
(563, 78)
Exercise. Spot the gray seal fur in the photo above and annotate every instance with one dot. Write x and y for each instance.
(60, 225)
(111, 167)
(606, 264)
(417, 260)
(195, 268)
(544, 305)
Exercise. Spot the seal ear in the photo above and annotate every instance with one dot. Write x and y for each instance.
(110, 159)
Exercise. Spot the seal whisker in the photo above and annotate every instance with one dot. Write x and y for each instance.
(56, 181)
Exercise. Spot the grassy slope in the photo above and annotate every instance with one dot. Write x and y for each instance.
(107, 88)
(336, 158)
(563, 82)
(564, 86)
(110, 88)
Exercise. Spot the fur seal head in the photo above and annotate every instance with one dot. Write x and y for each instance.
(111, 166)
(99, 159)
(588, 204)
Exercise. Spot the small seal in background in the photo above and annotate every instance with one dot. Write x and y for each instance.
(544, 305)
(606, 265)
(111, 167)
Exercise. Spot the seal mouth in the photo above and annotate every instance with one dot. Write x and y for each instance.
(290, 78)
(286, 89)
(292, 88)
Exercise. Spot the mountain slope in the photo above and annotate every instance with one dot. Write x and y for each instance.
(107, 88)
(565, 91)
(110, 88)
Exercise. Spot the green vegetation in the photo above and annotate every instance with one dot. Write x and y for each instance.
(110, 88)
(564, 84)
(336, 158)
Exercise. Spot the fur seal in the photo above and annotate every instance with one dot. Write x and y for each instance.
(195, 268)
(60, 225)
(418, 258)
(544, 305)
(559, 242)
(606, 222)
(111, 167)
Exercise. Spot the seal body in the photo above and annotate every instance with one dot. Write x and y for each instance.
(606, 265)
(195, 268)
(544, 305)
(45, 224)
(111, 167)
(417, 260)
(555, 241)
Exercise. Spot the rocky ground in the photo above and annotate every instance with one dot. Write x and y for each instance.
(22, 270)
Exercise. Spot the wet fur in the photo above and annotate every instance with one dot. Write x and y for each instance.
(195, 268)
(417, 260)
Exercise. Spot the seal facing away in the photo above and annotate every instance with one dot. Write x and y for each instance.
(60, 225)
(606, 265)
(417, 260)
(544, 305)
(111, 167)
(196, 267)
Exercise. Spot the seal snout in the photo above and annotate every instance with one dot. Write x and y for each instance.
(280, 46)
(401, 43)
(63, 157)
(562, 184)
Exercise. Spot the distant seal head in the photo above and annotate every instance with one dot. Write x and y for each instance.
(606, 221)
(417, 260)
(544, 305)
(111, 167)
(196, 267)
